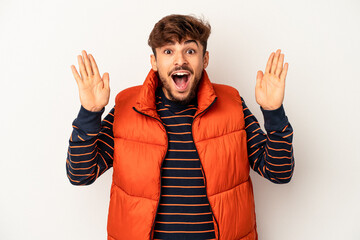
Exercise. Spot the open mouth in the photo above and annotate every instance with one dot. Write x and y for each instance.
(181, 79)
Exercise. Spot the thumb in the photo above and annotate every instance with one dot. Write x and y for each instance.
(259, 77)
(106, 80)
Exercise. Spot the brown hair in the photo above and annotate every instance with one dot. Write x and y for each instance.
(177, 27)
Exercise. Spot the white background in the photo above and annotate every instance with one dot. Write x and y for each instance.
(39, 40)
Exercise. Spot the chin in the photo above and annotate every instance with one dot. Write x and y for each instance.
(184, 99)
(173, 93)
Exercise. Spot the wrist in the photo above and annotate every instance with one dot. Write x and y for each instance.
(275, 119)
(87, 121)
(93, 109)
(271, 108)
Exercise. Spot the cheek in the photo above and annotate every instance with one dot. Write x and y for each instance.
(199, 65)
(162, 68)
(199, 69)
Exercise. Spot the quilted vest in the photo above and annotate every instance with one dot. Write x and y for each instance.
(140, 145)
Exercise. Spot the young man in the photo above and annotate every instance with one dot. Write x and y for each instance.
(180, 146)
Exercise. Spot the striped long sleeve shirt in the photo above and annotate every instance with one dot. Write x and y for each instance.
(184, 211)
(90, 154)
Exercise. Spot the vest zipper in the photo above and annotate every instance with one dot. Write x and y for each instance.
(192, 136)
(167, 146)
(212, 213)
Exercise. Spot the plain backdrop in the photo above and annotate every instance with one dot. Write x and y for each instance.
(39, 40)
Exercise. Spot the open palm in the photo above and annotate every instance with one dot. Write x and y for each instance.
(94, 91)
(270, 87)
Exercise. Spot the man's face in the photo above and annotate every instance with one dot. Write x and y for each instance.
(180, 67)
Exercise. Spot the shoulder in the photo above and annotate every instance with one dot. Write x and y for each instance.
(226, 92)
(128, 94)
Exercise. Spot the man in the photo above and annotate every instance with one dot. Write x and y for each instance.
(180, 146)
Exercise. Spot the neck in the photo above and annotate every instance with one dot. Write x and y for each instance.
(174, 103)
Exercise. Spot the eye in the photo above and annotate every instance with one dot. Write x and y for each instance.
(190, 51)
(167, 51)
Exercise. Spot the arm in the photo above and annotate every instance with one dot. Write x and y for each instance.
(91, 143)
(270, 155)
(91, 147)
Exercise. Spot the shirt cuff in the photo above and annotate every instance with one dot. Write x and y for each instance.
(275, 120)
(87, 121)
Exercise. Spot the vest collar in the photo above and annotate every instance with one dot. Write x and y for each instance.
(146, 99)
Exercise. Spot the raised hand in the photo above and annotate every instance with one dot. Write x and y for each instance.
(270, 87)
(94, 91)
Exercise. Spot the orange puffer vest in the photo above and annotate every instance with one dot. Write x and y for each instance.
(140, 145)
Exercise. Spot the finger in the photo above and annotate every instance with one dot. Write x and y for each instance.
(275, 61)
(284, 72)
(268, 65)
(87, 63)
(93, 65)
(279, 65)
(106, 80)
(82, 68)
(259, 77)
(76, 75)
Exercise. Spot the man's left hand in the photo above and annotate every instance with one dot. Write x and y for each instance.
(270, 88)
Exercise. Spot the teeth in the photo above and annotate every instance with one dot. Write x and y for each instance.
(180, 74)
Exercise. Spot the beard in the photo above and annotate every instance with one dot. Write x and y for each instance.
(192, 92)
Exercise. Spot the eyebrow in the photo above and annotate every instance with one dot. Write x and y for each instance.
(190, 41)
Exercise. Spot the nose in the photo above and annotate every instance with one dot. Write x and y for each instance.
(180, 59)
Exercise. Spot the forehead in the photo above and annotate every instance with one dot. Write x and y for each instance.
(186, 41)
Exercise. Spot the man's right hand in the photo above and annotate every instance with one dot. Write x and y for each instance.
(94, 91)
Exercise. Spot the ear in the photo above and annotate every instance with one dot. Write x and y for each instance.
(153, 62)
(206, 59)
